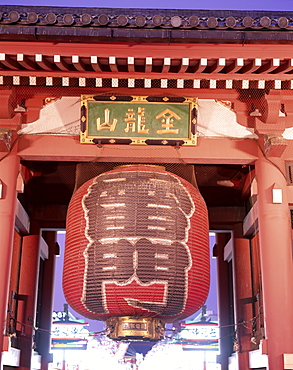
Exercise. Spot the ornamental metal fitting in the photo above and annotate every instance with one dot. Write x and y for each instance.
(5, 139)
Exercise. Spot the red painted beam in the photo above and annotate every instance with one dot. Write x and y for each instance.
(68, 148)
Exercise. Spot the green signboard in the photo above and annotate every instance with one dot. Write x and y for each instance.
(138, 120)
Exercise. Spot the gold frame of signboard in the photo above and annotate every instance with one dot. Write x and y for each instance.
(141, 120)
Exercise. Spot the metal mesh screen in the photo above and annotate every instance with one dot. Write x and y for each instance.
(262, 109)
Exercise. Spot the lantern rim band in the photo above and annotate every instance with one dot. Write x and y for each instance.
(140, 165)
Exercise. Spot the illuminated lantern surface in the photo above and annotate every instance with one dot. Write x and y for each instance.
(136, 246)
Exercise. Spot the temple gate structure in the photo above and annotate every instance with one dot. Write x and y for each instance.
(235, 67)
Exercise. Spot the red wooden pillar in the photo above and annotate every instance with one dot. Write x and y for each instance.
(28, 284)
(242, 288)
(224, 300)
(9, 167)
(276, 262)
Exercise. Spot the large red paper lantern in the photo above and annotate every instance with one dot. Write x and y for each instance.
(137, 250)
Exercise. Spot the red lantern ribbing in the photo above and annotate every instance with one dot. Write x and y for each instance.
(137, 250)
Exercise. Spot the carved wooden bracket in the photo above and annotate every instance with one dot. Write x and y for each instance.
(33, 107)
(268, 113)
(8, 103)
(269, 106)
